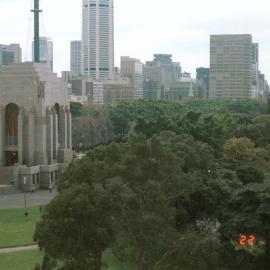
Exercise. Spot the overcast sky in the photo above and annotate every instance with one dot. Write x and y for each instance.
(144, 27)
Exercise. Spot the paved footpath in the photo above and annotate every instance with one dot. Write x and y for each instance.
(18, 249)
(40, 197)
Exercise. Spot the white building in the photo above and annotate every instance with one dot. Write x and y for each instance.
(97, 39)
(133, 68)
(98, 92)
(45, 51)
(75, 58)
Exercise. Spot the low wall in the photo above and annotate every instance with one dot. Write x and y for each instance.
(39, 177)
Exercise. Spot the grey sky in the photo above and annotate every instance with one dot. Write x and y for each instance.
(144, 27)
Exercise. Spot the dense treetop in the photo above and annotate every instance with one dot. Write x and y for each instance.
(175, 189)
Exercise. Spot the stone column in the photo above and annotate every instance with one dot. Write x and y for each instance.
(69, 129)
(20, 136)
(49, 117)
(40, 145)
(2, 136)
(30, 140)
(63, 128)
(55, 134)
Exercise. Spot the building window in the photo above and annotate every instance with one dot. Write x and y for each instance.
(11, 125)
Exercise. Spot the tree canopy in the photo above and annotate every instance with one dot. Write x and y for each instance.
(177, 189)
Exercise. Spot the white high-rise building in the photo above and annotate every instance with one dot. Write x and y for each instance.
(75, 58)
(45, 51)
(98, 39)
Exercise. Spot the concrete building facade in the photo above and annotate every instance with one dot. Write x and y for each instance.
(80, 87)
(133, 68)
(117, 89)
(35, 126)
(231, 66)
(97, 39)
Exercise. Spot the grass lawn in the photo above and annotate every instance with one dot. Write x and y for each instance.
(24, 260)
(15, 230)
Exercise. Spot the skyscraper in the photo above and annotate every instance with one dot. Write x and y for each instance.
(171, 71)
(75, 58)
(159, 75)
(45, 50)
(97, 38)
(202, 76)
(10, 54)
(233, 65)
(255, 64)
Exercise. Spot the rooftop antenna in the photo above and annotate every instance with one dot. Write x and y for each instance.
(36, 12)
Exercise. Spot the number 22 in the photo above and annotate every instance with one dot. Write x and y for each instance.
(244, 240)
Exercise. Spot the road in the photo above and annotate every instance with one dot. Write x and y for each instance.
(40, 197)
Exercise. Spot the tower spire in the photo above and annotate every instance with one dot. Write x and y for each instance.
(36, 12)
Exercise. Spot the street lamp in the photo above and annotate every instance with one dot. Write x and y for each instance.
(25, 211)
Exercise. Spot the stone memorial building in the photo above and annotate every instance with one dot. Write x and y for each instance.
(35, 126)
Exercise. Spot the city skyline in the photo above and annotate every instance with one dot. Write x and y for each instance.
(183, 32)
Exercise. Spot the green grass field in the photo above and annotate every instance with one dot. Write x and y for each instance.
(15, 230)
(25, 260)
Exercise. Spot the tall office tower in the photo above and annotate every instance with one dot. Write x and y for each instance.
(133, 68)
(10, 54)
(75, 58)
(45, 50)
(231, 66)
(255, 64)
(171, 71)
(66, 76)
(98, 39)
(159, 75)
(152, 81)
(202, 77)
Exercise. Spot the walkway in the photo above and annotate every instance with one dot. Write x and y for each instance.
(40, 197)
(17, 249)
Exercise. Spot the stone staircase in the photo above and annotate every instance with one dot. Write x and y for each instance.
(8, 190)
(6, 175)
(6, 181)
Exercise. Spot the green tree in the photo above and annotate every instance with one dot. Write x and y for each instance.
(242, 151)
(76, 109)
(77, 226)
